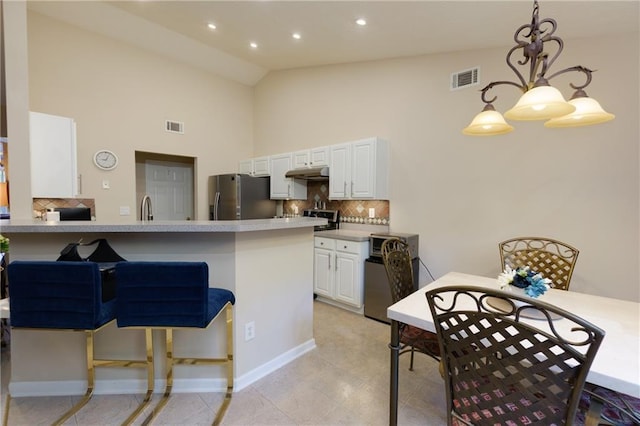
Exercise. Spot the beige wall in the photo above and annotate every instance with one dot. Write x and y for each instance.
(120, 97)
(463, 195)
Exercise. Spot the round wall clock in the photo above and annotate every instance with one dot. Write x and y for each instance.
(105, 159)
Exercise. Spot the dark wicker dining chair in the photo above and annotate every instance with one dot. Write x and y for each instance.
(397, 263)
(553, 259)
(501, 367)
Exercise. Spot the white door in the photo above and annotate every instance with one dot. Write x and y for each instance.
(363, 169)
(319, 156)
(339, 183)
(170, 186)
(346, 282)
(53, 156)
(280, 185)
(323, 272)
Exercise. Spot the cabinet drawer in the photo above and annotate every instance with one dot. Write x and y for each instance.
(348, 246)
(325, 243)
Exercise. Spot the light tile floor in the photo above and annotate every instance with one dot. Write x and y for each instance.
(344, 381)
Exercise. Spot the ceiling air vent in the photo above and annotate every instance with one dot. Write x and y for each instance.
(465, 78)
(174, 126)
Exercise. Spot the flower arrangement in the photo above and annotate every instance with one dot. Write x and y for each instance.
(531, 282)
(4, 244)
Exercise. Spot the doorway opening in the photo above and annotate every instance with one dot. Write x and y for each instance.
(169, 180)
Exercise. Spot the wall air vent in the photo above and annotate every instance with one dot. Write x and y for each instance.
(465, 78)
(174, 126)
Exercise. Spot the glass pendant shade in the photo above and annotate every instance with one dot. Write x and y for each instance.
(540, 103)
(488, 123)
(588, 111)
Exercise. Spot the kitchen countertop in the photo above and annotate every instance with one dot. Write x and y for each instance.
(272, 266)
(39, 226)
(344, 234)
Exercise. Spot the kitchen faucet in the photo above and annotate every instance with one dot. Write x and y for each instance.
(146, 212)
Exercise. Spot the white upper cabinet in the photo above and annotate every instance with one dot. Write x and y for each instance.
(258, 166)
(308, 158)
(261, 166)
(246, 167)
(301, 159)
(53, 156)
(369, 169)
(283, 188)
(360, 170)
(339, 172)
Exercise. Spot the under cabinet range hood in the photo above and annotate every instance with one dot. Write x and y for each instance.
(315, 173)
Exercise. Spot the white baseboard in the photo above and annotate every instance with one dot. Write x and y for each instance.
(271, 366)
(113, 387)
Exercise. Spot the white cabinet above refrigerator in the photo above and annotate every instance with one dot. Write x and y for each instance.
(53, 156)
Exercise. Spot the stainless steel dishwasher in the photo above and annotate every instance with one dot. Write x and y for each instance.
(377, 293)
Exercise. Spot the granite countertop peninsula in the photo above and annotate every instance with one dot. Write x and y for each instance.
(39, 226)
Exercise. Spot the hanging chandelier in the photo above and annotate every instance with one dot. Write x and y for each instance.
(540, 101)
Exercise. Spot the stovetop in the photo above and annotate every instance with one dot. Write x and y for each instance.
(332, 216)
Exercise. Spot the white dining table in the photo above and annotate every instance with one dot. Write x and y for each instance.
(617, 362)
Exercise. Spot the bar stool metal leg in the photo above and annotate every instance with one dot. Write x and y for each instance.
(90, 381)
(229, 364)
(5, 417)
(175, 295)
(150, 377)
(77, 289)
(172, 360)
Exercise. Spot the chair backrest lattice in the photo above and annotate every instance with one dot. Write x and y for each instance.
(501, 369)
(553, 259)
(397, 262)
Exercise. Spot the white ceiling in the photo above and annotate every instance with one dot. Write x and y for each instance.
(329, 35)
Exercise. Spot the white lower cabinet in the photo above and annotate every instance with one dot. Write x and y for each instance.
(338, 271)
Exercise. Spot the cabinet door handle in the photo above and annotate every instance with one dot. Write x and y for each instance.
(289, 190)
(351, 189)
(329, 262)
(345, 188)
(79, 184)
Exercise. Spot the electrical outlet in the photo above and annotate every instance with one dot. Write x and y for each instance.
(249, 331)
(372, 212)
(125, 211)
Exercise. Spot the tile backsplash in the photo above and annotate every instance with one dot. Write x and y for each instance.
(42, 204)
(351, 211)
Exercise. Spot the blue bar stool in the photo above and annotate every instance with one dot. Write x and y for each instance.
(175, 295)
(66, 296)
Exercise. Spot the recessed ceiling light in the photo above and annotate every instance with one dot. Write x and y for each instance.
(211, 26)
(297, 36)
(253, 45)
(361, 21)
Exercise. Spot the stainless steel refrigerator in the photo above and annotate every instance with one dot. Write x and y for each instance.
(236, 196)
